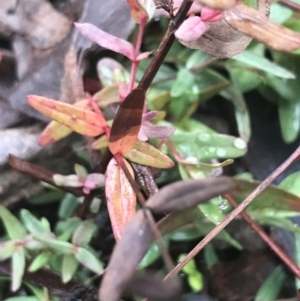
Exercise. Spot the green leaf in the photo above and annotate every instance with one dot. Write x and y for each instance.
(145, 154)
(276, 222)
(195, 278)
(212, 212)
(153, 254)
(13, 227)
(89, 260)
(203, 227)
(292, 183)
(80, 171)
(32, 224)
(288, 89)
(22, 298)
(39, 261)
(243, 79)
(197, 58)
(107, 96)
(48, 197)
(241, 112)
(39, 293)
(209, 83)
(18, 268)
(289, 117)
(210, 256)
(55, 244)
(271, 287)
(280, 13)
(272, 197)
(297, 256)
(69, 267)
(68, 206)
(261, 63)
(84, 233)
(185, 81)
(205, 146)
(111, 72)
(7, 249)
(67, 227)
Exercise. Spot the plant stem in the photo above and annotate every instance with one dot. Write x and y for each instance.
(294, 157)
(135, 63)
(164, 46)
(267, 239)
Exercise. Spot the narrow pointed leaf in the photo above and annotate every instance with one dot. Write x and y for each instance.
(69, 267)
(55, 244)
(120, 197)
(272, 197)
(111, 72)
(7, 249)
(107, 96)
(56, 131)
(252, 23)
(89, 260)
(84, 233)
(18, 268)
(80, 171)
(40, 261)
(127, 123)
(80, 120)
(106, 40)
(13, 227)
(145, 154)
(31, 223)
(218, 4)
(71, 180)
(100, 143)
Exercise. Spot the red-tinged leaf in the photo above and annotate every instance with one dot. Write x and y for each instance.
(107, 96)
(255, 24)
(210, 15)
(138, 13)
(80, 120)
(191, 29)
(127, 123)
(145, 154)
(218, 4)
(149, 130)
(143, 55)
(56, 131)
(106, 40)
(53, 132)
(120, 197)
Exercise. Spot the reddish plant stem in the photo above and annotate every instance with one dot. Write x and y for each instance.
(135, 63)
(294, 157)
(291, 4)
(266, 238)
(40, 173)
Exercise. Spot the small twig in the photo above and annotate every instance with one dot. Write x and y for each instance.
(40, 173)
(291, 4)
(267, 239)
(294, 157)
(164, 46)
